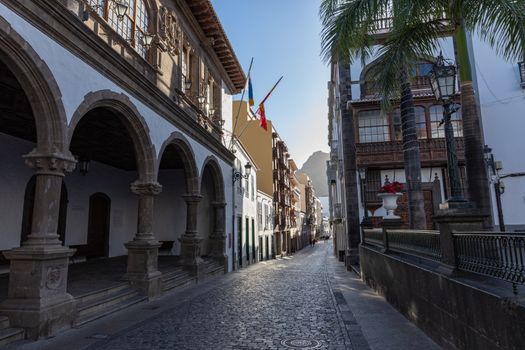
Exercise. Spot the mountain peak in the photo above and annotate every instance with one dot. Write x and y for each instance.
(315, 168)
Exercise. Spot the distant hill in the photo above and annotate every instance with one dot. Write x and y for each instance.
(315, 168)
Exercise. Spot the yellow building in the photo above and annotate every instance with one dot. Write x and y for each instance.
(258, 143)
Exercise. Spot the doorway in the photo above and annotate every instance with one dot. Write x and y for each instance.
(98, 226)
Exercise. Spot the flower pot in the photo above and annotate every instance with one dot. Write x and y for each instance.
(390, 204)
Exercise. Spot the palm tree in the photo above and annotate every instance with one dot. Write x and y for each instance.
(416, 29)
(347, 36)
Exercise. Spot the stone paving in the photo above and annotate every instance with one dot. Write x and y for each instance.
(301, 302)
(288, 302)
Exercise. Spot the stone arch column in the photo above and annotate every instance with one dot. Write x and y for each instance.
(217, 239)
(190, 241)
(143, 250)
(142, 266)
(37, 298)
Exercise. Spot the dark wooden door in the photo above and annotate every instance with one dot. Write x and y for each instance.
(29, 204)
(239, 240)
(98, 226)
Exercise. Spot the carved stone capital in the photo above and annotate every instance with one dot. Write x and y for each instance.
(56, 164)
(192, 198)
(146, 188)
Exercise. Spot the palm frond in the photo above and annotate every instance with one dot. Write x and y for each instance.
(500, 22)
(347, 25)
(405, 46)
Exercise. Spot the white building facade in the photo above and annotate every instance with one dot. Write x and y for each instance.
(265, 220)
(122, 143)
(245, 219)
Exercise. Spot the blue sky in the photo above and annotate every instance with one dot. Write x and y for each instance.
(283, 38)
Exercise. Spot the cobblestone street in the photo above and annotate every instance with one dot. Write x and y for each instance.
(300, 302)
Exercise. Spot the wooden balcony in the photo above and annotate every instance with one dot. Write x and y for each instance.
(390, 154)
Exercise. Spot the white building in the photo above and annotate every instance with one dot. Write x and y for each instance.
(245, 222)
(265, 219)
(123, 138)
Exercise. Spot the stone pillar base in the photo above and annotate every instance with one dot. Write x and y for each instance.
(142, 271)
(37, 299)
(190, 254)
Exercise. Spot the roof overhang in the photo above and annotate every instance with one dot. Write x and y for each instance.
(208, 20)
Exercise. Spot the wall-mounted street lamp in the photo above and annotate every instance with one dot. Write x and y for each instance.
(495, 179)
(201, 99)
(147, 40)
(121, 8)
(83, 165)
(187, 84)
(362, 183)
(443, 82)
(521, 67)
(237, 175)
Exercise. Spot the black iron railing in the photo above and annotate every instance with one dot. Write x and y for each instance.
(500, 256)
(485, 253)
(373, 237)
(421, 243)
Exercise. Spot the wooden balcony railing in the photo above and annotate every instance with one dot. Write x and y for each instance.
(390, 153)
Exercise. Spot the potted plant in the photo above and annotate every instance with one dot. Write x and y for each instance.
(389, 194)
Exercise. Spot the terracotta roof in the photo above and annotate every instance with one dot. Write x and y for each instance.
(212, 28)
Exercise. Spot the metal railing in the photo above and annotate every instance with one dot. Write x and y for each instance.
(422, 243)
(495, 255)
(373, 237)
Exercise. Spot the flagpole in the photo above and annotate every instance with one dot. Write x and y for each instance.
(264, 100)
(240, 105)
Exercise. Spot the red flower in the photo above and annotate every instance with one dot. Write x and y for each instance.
(394, 187)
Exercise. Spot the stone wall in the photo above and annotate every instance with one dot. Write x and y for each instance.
(455, 314)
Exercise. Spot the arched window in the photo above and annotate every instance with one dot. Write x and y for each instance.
(132, 27)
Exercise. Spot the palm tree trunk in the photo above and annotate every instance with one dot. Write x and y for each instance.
(416, 207)
(478, 190)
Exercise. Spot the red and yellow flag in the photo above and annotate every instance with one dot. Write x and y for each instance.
(262, 115)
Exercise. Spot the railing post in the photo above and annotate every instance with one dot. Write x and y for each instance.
(389, 224)
(449, 220)
(385, 240)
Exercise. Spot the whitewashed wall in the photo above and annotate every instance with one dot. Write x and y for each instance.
(503, 115)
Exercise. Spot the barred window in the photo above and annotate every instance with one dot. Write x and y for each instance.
(373, 126)
(132, 27)
(438, 131)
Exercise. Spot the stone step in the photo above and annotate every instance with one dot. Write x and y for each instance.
(173, 273)
(4, 322)
(176, 281)
(9, 335)
(101, 293)
(100, 306)
(109, 310)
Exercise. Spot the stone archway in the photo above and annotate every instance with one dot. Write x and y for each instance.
(32, 304)
(39, 85)
(135, 125)
(177, 170)
(212, 186)
(108, 129)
